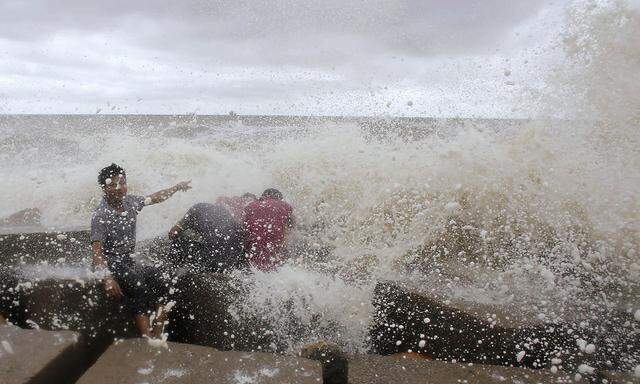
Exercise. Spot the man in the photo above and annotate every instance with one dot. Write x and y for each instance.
(267, 222)
(210, 237)
(113, 238)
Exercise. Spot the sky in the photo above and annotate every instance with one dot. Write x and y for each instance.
(302, 57)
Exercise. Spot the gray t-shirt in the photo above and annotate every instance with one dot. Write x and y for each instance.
(117, 230)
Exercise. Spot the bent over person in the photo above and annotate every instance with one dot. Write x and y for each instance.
(113, 238)
(215, 236)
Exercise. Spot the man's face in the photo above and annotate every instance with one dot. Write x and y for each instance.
(115, 188)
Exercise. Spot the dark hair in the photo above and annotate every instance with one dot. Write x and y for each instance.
(109, 172)
(272, 193)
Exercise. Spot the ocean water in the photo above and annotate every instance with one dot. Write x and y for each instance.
(542, 212)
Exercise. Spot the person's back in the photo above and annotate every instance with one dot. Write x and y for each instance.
(220, 238)
(267, 221)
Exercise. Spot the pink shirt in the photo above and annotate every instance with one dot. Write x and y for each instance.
(267, 221)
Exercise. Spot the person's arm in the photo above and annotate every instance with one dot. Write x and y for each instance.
(110, 285)
(164, 194)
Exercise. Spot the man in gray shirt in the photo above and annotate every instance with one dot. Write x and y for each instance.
(113, 238)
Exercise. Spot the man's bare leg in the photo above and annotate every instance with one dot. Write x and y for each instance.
(162, 315)
(143, 325)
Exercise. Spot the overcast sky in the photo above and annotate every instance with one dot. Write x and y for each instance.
(321, 57)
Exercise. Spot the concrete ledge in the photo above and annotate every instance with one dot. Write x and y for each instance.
(372, 369)
(34, 357)
(135, 361)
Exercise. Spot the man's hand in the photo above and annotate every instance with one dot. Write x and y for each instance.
(112, 288)
(183, 186)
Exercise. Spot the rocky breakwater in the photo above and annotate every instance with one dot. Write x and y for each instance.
(409, 320)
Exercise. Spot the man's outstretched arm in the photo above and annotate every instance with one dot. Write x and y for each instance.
(164, 194)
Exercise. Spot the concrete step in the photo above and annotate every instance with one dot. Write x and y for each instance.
(35, 357)
(134, 361)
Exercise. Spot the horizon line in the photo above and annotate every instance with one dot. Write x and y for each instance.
(265, 115)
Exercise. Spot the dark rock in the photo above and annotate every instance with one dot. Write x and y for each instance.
(135, 361)
(335, 367)
(34, 357)
(469, 332)
(449, 333)
(500, 335)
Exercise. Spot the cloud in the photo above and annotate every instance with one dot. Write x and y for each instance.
(207, 55)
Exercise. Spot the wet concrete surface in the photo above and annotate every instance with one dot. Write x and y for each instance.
(35, 356)
(135, 361)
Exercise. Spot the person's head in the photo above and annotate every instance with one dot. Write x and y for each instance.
(113, 181)
(272, 193)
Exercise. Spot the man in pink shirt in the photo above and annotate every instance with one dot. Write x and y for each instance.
(267, 221)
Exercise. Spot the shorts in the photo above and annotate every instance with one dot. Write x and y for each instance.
(143, 287)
